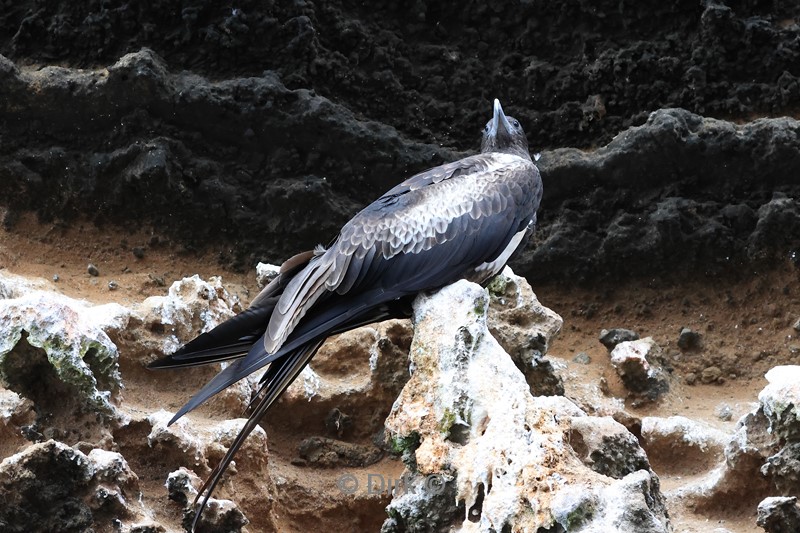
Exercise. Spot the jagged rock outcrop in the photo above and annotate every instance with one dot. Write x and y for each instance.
(680, 193)
(55, 351)
(759, 460)
(483, 454)
(52, 487)
(779, 514)
(173, 176)
(669, 191)
(339, 403)
(524, 328)
(582, 71)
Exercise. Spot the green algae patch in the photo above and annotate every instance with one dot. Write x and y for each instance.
(69, 333)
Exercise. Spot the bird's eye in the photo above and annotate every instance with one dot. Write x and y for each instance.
(515, 123)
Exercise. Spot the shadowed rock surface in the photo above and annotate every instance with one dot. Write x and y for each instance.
(668, 141)
(250, 114)
(508, 459)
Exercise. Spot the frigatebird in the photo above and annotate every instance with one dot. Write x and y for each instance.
(461, 220)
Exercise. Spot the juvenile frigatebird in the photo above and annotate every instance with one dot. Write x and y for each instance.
(461, 220)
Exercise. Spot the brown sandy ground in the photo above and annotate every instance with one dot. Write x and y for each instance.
(746, 326)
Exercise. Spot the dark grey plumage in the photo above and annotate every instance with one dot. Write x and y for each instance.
(459, 220)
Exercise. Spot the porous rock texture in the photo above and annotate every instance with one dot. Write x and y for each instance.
(51, 486)
(61, 370)
(466, 419)
(759, 461)
(779, 514)
(56, 351)
(483, 454)
(245, 114)
(667, 138)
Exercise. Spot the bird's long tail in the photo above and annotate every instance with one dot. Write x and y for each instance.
(234, 337)
(276, 380)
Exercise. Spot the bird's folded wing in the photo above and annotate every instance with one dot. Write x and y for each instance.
(468, 165)
(490, 197)
(459, 230)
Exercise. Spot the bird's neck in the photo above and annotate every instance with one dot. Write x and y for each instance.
(514, 150)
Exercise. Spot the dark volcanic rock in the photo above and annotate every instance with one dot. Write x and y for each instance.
(611, 337)
(606, 446)
(779, 514)
(280, 120)
(678, 194)
(579, 72)
(784, 468)
(173, 149)
(52, 487)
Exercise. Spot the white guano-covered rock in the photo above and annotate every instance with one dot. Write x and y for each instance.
(191, 307)
(71, 333)
(265, 273)
(524, 329)
(780, 400)
(635, 362)
(501, 456)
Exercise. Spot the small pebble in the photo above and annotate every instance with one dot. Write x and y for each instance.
(138, 252)
(55, 277)
(112, 285)
(797, 325)
(688, 339)
(690, 378)
(611, 337)
(724, 412)
(93, 270)
(711, 374)
(582, 358)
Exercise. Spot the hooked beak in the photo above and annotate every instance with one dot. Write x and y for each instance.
(500, 124)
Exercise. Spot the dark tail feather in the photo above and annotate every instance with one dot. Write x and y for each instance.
(234, 337)
(343, 316)
(213, 355)
(228, 340)
(333, 317)
(284, 373)
(229, 375)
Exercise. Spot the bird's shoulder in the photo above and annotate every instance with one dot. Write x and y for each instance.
(419, 212)
(474, 166)
(424, 218)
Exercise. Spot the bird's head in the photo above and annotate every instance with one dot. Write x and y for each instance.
(504, 134)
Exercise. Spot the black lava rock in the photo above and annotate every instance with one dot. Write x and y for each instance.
(779, 514)
(231, 123)
(611, 337)
(689, 340)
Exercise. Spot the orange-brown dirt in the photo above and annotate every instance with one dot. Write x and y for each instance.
(746, 325)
